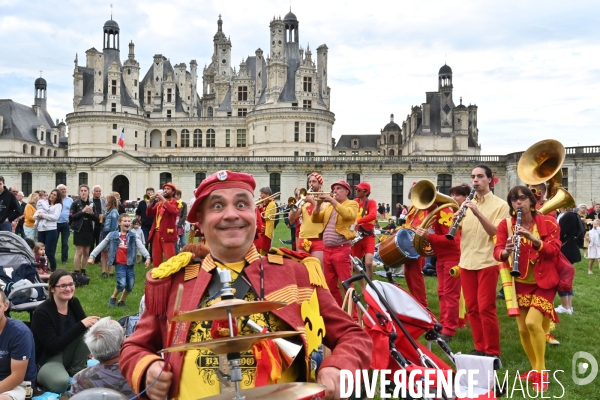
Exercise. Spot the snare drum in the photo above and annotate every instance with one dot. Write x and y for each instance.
(394, 251)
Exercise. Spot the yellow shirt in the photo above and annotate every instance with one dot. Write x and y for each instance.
(270, 210)
(310, 229)
(476, 246)
(199, 371)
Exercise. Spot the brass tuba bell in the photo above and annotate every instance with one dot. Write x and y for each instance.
(424, 195)
(562, 198)
(541, 162)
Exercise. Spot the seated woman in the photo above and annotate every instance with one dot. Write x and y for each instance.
(58, 325)
(536, 286)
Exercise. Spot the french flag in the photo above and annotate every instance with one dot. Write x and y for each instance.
(121, 141)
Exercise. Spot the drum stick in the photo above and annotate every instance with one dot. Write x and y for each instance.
(173, 324)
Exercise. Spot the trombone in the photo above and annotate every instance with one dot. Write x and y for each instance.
(148, 198)
(271, 197)
(303, 193)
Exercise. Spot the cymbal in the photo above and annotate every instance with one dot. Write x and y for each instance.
(237, 308)
(284, 391)
(236, 344)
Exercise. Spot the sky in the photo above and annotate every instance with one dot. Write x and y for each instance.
(530, 66)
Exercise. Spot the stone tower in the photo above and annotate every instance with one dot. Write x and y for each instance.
(446, 103)
(131, 75)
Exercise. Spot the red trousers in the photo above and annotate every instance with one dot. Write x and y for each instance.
(414, 279)
(449, 294)
(159, 247)
(479, 290)
(336, 266)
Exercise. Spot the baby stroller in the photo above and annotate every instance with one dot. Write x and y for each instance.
(395, 320)
(18, 275)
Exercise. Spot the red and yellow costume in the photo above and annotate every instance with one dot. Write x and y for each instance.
(413, 267)
(367, 222)
(536, 265)
(536, 287)
(163, 233)
(268, 221)
(285, 280)
(447, 253)
(310, 238)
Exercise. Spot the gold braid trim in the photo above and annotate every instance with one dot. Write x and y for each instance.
(531, 300)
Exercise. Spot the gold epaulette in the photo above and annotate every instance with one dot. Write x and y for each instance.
(315, 272)
(172, 265)
(275, 258)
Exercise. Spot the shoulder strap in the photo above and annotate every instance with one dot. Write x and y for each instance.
(365, 208)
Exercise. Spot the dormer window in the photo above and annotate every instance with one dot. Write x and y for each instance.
(355, 143)
(41, 136)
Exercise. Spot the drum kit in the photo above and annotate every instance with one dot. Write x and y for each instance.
(228, 309)
(396, 250)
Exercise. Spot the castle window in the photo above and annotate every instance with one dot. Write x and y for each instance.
(165, 177)
(310, 154)
(275, 181)
(128, 71)
(54, 153)
(114, 126)
(55, 138)
(354, 153)
(83, 178)
(391, 139)
(197, 138)
(200, 176)
(185, 138)
(444, 183)
(147, 115)
(397, 189)
(355, 143)
(307, 84)
(307, 104)
(135, 82)
(61, 178)
(310, 132)
(113, 107)
(26, 183)
(565, 178)
(135, 96)
(114, 139)
(296, 131)
(209, 112)
(41, 136)
(227, 137)
(353, 180)
(24, 149)
(169, 95)
(296, 153)
(242, 93)
(294, 104)
(242, 112)
(135, 133)
(210, 138)
(241, 138)
(168, 113)
(367, 153)
(391, 153)
(135, 147)
(342, 153)
(149, 99)
(114, 87)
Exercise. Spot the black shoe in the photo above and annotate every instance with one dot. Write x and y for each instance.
(111, 275)
(477, 353)
(104, 275)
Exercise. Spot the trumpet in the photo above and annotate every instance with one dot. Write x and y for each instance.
(271, 197)
(148, 198)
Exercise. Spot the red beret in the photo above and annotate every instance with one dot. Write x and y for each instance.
(220, 180)
(169, 184)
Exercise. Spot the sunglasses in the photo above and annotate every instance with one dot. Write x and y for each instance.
(521, 197)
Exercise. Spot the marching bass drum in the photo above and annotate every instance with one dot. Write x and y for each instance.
(394, 251)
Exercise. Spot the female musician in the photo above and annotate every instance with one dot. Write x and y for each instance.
(448, 256)
(537, 284)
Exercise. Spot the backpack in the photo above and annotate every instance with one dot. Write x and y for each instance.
(580, 233)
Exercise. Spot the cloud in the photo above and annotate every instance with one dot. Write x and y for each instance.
(529, 66)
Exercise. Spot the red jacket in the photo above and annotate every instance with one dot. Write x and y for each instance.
(285, 280)
(368, 219)
(544, 269)
(445, 250)
(170, 212)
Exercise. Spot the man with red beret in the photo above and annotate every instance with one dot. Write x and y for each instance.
(163, 234)
(338, 216)
(365, 224)
(310, 235)
(225, 210)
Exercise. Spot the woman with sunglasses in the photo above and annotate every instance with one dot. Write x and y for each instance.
(58, 325)
(539, 238)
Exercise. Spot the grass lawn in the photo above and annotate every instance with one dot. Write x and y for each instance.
(577, 332)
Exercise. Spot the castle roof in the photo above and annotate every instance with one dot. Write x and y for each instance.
(111, 24)
(22, 122)
(445, 70)
(364, 141)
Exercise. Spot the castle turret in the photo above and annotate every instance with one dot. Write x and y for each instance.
(446, 103)
(158, 79)
(193, 90)
(131, 75)
(40, 93)
(322, 74)
(258, 78)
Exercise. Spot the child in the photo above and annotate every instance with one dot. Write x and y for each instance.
(123, 246)
(137, 229)
(594, 246)
(40, 258)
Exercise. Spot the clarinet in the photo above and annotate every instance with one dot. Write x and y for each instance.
(461, 214)
(517, 242)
